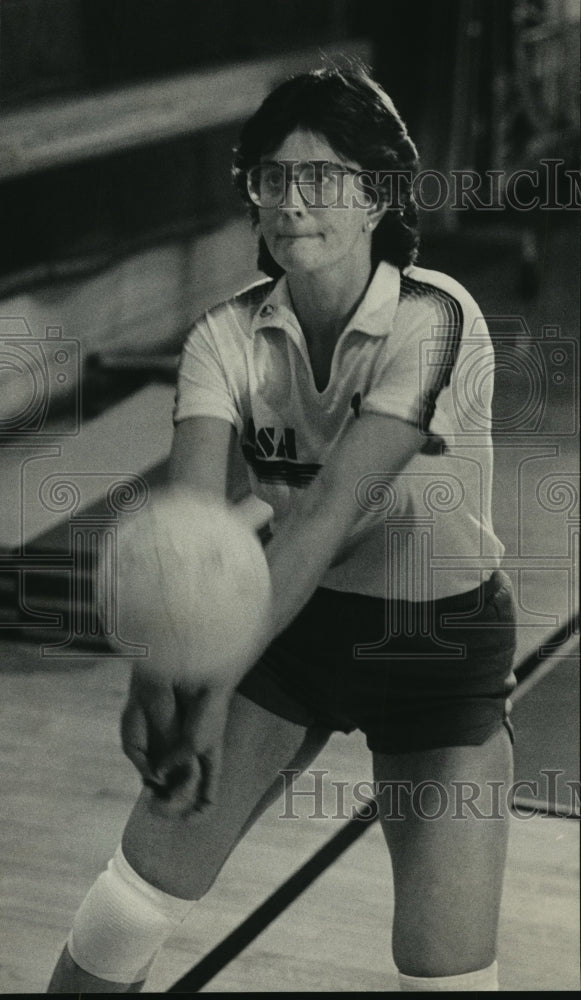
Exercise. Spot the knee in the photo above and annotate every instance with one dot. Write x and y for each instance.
(425, 946)
(190, 886)
(479, 981)
(122, 923)
(182, 859)
(188, 879)
(428, 962)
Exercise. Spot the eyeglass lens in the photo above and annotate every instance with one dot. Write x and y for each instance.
(319, 182)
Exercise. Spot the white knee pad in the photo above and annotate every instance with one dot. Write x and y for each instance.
(122, 923)
(482, 981)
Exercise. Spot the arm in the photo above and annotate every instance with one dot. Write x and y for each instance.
(200, 455)
(309, 538)
(157, 717)
(178, 751)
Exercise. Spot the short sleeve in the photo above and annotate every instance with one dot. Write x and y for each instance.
(204, 386)
(417, 367)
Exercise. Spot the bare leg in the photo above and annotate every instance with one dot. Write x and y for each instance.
(183, 855)
(448, 870)
(68, 972)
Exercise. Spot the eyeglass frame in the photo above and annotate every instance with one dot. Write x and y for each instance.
(339, 170)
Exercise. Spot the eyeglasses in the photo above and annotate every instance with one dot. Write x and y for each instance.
(271, 184)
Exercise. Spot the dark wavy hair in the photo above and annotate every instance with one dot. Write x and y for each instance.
(360, 122)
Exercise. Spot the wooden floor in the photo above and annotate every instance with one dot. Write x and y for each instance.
(66, 790)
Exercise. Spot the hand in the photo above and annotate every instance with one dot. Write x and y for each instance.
(150, 723)
(174, 737)
(189, 775)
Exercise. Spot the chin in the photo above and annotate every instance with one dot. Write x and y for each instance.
(292, 265)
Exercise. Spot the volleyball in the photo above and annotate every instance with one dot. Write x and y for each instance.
(193, 586)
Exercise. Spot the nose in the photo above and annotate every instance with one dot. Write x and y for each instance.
(294, 201)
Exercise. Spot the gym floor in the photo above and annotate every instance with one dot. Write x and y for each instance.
(66, 787)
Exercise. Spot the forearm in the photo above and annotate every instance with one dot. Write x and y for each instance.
(302, 549)
(307, 541)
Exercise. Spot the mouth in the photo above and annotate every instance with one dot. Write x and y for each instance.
(298, 236)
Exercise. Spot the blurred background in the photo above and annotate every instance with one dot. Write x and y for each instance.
(119, 117)
(120, 225)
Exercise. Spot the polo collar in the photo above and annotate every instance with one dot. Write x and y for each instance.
(374, 315)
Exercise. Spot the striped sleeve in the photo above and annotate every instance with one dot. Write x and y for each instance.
(428, 335)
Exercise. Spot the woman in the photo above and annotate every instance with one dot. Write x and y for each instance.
(349, 373)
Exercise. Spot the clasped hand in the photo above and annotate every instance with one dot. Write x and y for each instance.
(174, 736)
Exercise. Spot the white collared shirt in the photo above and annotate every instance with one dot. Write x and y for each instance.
(417, 348)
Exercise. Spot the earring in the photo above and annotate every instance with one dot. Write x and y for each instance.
(370, 224)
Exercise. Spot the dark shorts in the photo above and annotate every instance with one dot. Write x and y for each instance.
(411, 676)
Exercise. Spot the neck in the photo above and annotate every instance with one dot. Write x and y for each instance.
(325, 301)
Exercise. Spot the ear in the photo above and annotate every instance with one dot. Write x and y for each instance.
(374, 214)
